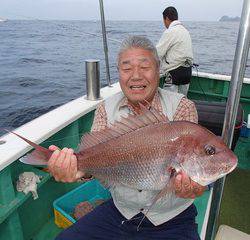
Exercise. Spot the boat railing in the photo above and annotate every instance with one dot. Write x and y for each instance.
(217, 76)
(43, 127)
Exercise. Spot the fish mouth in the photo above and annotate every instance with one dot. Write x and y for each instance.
(230, 168)
(211, 178)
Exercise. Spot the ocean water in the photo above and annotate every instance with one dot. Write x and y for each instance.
(42, 62)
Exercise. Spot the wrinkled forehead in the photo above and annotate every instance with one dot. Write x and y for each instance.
(135, 56)
(132, 61)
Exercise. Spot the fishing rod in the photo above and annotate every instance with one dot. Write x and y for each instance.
(67, 27)
(105, 43)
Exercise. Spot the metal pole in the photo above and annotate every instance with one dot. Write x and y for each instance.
(92, 79)
(238, 71)
(105, 44)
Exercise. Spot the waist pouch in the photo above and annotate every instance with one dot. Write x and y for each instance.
(181, 75)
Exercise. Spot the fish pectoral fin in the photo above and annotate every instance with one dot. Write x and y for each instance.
(168, 188)
(105, 183)
(203, 182)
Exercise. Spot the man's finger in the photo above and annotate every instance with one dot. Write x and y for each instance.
(58, 166)
(53, 148)
(61, 158)
(198, 190)
(186, 183)
(178, 183)
(68, 155)
(69, 172)
(52, 160)
(73, 164)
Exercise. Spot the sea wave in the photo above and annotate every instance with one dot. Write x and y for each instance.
(42, 62)
(33, 60)
(14, 119)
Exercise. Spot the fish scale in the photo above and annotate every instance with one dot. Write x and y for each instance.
(132, 153)
(139, 151)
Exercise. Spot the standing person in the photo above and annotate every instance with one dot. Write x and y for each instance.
(175, 52)
(172, 217)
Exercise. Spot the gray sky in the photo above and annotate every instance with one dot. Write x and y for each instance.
(189, 10)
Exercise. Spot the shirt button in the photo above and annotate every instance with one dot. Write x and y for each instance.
(139, 190)
(141, 209)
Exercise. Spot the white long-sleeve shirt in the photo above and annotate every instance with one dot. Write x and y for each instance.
(174, 47)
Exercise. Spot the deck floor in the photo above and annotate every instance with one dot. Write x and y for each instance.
(235, 209)
(49, 231)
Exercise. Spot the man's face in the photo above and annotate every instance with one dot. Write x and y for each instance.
(166, 22)
(139, 74)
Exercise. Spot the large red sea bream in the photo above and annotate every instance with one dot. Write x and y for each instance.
(141, 151)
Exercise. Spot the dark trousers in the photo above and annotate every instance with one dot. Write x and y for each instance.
(181, 75)
(105, 222)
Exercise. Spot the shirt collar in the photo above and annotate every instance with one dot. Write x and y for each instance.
(174, 23)
(156, 103)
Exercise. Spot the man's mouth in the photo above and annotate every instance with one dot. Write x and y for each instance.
(137, 87)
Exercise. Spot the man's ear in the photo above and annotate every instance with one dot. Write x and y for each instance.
(167, 22)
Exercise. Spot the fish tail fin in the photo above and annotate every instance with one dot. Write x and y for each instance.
(39, 156)
(35, 158)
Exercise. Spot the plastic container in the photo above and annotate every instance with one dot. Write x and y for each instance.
(245, 131)
(64, 206)
(248, 121)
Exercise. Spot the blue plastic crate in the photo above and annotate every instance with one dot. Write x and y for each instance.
(245, 131)
(64, 206)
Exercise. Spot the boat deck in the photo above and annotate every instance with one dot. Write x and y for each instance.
(235, 211)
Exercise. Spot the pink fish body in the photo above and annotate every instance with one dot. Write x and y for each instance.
(141, 150)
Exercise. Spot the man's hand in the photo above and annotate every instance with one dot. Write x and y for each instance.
(63, 165)
(186, 188)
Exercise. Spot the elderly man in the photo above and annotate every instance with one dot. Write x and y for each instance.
(173, 217)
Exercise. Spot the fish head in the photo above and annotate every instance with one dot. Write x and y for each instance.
(207, 158)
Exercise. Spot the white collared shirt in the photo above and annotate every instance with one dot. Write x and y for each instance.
(174, 47)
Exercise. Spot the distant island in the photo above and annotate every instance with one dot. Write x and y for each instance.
(229, 19)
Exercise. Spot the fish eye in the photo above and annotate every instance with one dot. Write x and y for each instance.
(209, 149)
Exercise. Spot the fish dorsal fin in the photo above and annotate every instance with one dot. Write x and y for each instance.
(125, 125)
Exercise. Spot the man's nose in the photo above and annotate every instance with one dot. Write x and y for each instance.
(136, 73)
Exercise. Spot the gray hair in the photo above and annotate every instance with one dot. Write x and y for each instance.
(138, 42)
